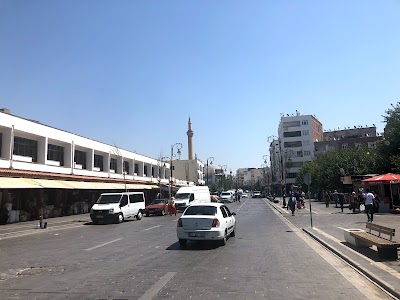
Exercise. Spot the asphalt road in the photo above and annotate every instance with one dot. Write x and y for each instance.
(268, 259)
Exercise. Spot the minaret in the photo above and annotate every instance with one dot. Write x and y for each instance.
(190, 140)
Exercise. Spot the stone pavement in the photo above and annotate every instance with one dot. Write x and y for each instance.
(328, 227)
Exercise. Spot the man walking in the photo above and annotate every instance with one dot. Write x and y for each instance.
(336, 198)
(369, 201)
(341, 200)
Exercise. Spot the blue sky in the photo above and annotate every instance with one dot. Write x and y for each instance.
(130, 73)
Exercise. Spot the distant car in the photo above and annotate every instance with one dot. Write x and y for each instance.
(157, 207)
(226, 197)
(206, 222)
(244, 195)
(256, 194)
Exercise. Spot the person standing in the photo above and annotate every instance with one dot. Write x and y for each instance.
(336, 198)
(327, 198)
(292, 203)
(353, 201)
(376, 202)
(341, 200)
(172, 207)
(369, 201)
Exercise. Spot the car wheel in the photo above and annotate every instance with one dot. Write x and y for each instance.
(95, 222)
(139, 215)
(223, 241)
(233, 233)
(120, 218)
(147, 214)
(182, 242)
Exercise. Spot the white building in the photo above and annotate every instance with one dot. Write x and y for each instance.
(296, 137)
(48, 167)
(191, 171)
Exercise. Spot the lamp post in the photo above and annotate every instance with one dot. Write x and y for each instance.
(230, 172)
(223, 169)
(178, 147)
(209, 161)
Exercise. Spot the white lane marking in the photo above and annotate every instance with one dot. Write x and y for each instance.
(150, 293)
(379, 265)
(151, 228)
(98, 246)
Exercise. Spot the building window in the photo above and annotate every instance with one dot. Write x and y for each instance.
(358, 145)
(1, 140)
(113, 164)
(136, 169)
(307, 153)
(145, 170)
(80, 158)
(292, 133)
(152, 171)
(306, 132)
(345, 146)
(291, 175)
(55, 153)
(371, 144)
(299, 154)
(304, 122)
(98, 162)
(306, 142)
(292, 144)
(126, 167)
(25, 147)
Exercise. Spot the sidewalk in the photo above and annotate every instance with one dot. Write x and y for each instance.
(328, 227)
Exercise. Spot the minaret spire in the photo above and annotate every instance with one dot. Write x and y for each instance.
(190, 140)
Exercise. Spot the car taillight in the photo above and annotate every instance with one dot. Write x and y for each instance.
(179, 223)
(215, 223)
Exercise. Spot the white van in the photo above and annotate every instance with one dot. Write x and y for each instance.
(117, 207)
(188, 194)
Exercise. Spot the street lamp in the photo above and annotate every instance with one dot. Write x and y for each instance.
(223, 169)
(178, 147)
(209, 160)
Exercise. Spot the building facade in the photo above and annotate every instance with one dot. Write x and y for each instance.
(191, 171)
(296, 137)
(42, 167)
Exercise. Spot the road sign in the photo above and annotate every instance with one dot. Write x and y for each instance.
(307, 178)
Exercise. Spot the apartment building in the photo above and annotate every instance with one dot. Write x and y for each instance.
(189, 170)
(335, 140)
(295, 144)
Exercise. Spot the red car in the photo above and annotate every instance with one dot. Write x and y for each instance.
(157, 207)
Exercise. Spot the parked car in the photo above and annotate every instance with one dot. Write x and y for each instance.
(206, 222)
(226, 197)
(157, 207)
(117, 207)
(244, 195)
(256, 194)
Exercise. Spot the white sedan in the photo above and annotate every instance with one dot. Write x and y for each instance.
(206, 222)
(244, 195)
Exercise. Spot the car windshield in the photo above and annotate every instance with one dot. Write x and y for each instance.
(104, 199)
(182, 196)
(225, 194)
(158, 201)
(201, 210)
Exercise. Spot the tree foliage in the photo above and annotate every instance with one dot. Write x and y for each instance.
(327, 169)
(388, 159)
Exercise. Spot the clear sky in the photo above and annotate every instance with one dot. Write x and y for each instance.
(130, 73)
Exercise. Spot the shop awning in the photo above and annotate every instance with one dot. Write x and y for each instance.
(131, 186)
(107, 185)
(80, 185)
(18, 183)
(52, 184)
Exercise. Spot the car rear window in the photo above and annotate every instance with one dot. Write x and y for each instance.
(201, 210)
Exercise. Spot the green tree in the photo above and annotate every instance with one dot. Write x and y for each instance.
(327, 169)
(388, 159)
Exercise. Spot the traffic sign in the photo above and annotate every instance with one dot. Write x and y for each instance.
(307, 178)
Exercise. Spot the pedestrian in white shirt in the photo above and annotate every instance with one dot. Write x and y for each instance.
(369, 201)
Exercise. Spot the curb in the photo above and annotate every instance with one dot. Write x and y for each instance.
(387, 287)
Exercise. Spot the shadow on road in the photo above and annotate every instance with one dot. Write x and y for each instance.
(195, 245)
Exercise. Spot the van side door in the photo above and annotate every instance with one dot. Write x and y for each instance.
(124, 205)
(136, 203)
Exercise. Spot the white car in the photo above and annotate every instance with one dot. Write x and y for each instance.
(244, 195)
(226, 197)
(206, 222)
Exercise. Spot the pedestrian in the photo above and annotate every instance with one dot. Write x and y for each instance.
(353, 201)
(336, 198)
(172, 207)
(369, 201)
(327, 198)
(319, 196)
(361, 200)
(166, 209)
(341, 200)
(377, 200)
(292, 203)
(239, 196)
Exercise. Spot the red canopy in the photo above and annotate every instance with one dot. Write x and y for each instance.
(385, 178)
